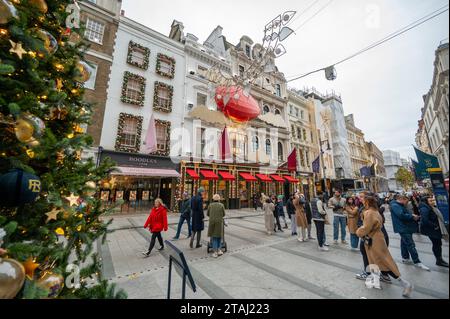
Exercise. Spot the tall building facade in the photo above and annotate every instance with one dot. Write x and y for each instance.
(358, 152)
(392, 163)
(379, 182)
(422, 141)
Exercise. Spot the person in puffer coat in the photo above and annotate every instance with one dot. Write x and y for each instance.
(156, 223)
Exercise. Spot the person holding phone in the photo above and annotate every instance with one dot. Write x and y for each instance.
(337, 203)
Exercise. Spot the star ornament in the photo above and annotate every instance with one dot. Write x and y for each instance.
(30, 266)
(72, 199)
(17, 49)
(53, 214)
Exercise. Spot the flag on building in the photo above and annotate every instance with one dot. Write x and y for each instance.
(365, 171)
(426, 160)
(150, 138)
(292, 160)
(224, 146)
(316, 165)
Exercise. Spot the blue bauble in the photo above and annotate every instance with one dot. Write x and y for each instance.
(18, 188)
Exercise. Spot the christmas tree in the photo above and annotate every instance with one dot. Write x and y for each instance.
(49, 215)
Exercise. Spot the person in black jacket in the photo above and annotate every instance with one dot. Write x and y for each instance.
(290, 208)
(308, 213)
(432, 225)
(198, 225)
(185, 215)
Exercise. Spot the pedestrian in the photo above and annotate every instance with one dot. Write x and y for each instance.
(279, 207)
(337, 203)
(376, 248)
(308, 214)
(216, 213)
(156, 223)
(185, 215)
(256, 201)
(198, 217)
(406, 224)
(352, 221)
(291, 213)
(366, 272)
(319, 215)
(300, 218)
(433, 226)
(269, 223)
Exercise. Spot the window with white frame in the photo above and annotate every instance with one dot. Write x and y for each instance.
(90, 84)
(163, 97)
(201, 99)
(161, 137)
(278, 90)
(133, 89)
(129, 132)
(255, 143)
(268, 147)
(166, 66)
(94, 31)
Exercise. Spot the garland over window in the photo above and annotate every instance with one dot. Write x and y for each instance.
(168, 69)
(162, 139)
(129, 133)
(162, 98)
(133, 89)
(138, 55)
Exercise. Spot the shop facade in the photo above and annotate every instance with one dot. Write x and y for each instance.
(139, 179)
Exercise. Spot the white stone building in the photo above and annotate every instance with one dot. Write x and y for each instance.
(392, 162)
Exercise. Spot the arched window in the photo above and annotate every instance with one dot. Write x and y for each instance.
(266, 109)
(280, 151)
(277, 112)
(255, 143)
(268, 147)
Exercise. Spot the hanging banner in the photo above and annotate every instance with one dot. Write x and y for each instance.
(440, 192)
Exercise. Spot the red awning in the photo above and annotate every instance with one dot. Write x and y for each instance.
(264, 178)
(278, 178)
(248, 177)
(226, 176)
(192, 174)
(290, 179)
(209, 175)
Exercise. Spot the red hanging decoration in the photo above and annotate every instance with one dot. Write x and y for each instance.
(232, 102)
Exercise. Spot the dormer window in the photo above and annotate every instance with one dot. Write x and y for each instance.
(247, 50)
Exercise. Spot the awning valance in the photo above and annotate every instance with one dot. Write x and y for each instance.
(226, 176)
(192, 174)
(264, 178)
(290, 179)
(209, 175)
(248, 177)
(146, 172)
(278, 178)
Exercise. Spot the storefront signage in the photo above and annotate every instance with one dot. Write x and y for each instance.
(139, 160)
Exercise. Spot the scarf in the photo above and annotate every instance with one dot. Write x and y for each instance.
(444, 231)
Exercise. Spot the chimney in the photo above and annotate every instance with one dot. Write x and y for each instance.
(122, 13)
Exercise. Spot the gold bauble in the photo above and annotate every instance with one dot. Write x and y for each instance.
(7, 11)
(50, 43)
(12, 277)
(40, 4)
(51, 282)
(24, 130)
(106, 185)
(92, 186)
(83, 72)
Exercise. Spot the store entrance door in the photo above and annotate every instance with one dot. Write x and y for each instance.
(165, 191)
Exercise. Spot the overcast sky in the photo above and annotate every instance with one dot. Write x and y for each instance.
(383, 88)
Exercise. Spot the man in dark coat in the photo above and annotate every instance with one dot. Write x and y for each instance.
(290, 208)
(185, 215)
(198, 225)
(405, 224)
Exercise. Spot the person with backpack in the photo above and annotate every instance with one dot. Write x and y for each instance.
(185, 215)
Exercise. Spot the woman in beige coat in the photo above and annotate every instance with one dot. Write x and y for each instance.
(376, 248)
(300, 217)
(269, 208)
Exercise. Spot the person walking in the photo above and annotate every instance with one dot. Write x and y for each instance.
(405, 224)
(156, 223)
(308, 214)
(300, 218)
(319, 214)
(352, 218)
(337, 203)
(273, 200)
(291, 213)
(269, 221)
(185, 215)
(216, 213)
(198, 216)
(279, 207)
(376, 248)
(256, 201)
(432, 225)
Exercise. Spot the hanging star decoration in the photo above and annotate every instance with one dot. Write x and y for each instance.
(30, 266)
(17, 49)
(72, 199)
(53, 214)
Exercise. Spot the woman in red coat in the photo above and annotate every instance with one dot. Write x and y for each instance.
(156, 223)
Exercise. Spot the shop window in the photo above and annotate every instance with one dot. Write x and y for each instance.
(129, 133)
